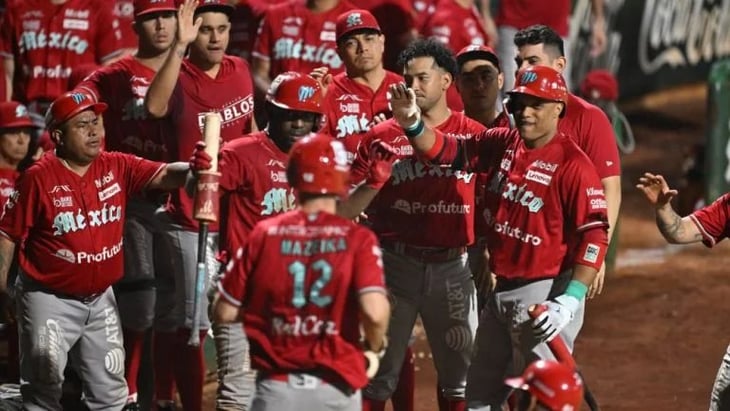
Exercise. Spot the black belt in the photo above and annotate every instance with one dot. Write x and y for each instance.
(424, 254)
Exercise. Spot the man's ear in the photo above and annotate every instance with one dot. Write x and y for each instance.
(500, 80)
(446, 80)
(56, 137)
(559, 64)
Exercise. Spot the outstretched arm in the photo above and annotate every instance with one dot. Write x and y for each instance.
(674, 228)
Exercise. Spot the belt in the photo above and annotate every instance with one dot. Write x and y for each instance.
(306, 380)
(424, 254)
(88, 299)
(509, 284)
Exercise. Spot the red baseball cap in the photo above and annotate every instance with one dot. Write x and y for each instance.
(600, 84)
(358, 19)
(70, 104)
(221, 6)
(14, 114)
(142, 7)
(477, 52)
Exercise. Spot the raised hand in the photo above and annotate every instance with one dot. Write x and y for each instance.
(403, 105)
(321, 74)
(187, 29)
(381, 164)
(656, 189)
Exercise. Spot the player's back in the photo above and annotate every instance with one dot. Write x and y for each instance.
(304, 273)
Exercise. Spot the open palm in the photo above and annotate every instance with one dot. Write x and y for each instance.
(656, 189)
(187, 28)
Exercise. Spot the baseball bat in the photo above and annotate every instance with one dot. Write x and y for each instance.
(562, 353)
(205, 211)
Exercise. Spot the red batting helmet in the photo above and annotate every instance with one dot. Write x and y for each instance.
(554, 384)
(296, 91)
(542, 82)
(70, 104)
(318, 165)
(14, 114)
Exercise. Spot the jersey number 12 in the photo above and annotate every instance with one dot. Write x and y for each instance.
(299, 271)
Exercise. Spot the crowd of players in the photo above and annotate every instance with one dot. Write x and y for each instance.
(84, 77)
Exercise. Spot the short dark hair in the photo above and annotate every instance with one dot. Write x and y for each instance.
(441, 54)
(539, 34)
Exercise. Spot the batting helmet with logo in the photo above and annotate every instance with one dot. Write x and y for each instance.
(70, 104)
(296, 91)
(555, 385)
(542, 82)
(318, 165)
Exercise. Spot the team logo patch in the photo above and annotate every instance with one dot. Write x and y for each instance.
(66, 255)
(78, 98)
(114, 361)
(21, 111)
(538, 177)
(354, 19)
(305, 93)
(591, 254)
(528, 77)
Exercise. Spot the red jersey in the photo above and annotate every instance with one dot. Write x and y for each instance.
(524, 13)
(424, 10)
(420, 200)
(298, 278)
(456, 26)
(124, 12)
(7, 184)
(592, 131)
(48, 40)
(539, 201)
(292, 38)
(123, 86)
(350, 107)
(244, 23)
(254, 186)
(712, 221)
(69, 228)
(230, 94)
(480, 223)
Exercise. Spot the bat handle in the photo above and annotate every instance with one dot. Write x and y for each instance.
(200, 277)
(557, 345)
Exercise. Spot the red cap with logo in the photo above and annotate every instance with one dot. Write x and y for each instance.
(477, 52)
(296, 91)
(352, 20)
(14, 114)
(142, 7)
(70, 104)
(221, 6)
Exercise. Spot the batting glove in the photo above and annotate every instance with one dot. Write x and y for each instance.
(381, 165)
(558, 314)
(200, 160)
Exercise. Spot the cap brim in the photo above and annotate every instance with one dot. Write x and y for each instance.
(98, 108)
(154, 10)
(478, 55)
(353, 30)
(19, 123)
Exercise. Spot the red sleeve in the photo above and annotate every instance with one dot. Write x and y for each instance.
(264, 38)
(232, 287)
(233, 171)
(108, 35)
(139, 172)
(19, 213)
(368, 265)
(92, 85)
(585, 210)
(712, 221)
(599, 142)
(7, 36)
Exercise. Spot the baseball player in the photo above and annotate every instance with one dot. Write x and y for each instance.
(254, 186)
(16, 128)
(478, 81)
(66, 219)
(398, 24)
(297, 36)
(123, 86)
(300, 283)
(545, 205)
(426, 267)
(548, 386)
(709, 225)
(45, 39)
(356, 97)
(584, 122)
(182, 91)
